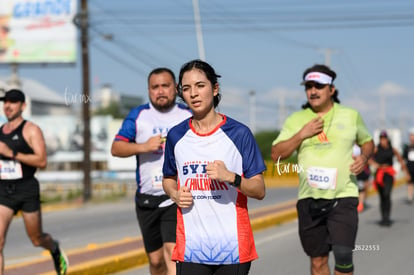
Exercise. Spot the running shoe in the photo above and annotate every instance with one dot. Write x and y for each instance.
(60, 260)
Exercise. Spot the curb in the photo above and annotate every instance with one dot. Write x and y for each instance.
(109, 265)
(138, 257)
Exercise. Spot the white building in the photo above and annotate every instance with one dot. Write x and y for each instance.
(40, 99)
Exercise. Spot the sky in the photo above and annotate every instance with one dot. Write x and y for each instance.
(259, 47)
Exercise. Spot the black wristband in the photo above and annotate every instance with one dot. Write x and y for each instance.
(237, 181)
(14, 153)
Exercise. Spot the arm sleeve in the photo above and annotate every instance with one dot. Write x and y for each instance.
(286, 133)
(128, 130)
(169, 167)
(253, 162)
(363, 134)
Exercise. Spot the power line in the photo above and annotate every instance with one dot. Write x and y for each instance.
(118, 60)
(133, 28)
(144, 56)
(245, 19)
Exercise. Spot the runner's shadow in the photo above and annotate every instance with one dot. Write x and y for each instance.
(392, 223)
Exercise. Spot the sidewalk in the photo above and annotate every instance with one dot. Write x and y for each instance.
(118, 256)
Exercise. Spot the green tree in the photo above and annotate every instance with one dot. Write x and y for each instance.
(264, 139)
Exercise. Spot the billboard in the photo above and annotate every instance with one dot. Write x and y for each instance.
(37, 31)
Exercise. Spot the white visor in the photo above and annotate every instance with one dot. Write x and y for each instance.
(318, 77)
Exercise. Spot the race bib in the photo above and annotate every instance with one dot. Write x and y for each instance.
(10, 170)
(411, 155)
(156, 178)
(321, 177)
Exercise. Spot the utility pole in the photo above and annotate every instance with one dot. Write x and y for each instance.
(328, 53)
(14, 81)
(282, 109)
(197, 21)
(252, 110)
(84, 24)
(383, 110)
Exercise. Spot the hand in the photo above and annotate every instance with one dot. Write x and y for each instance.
(217, 170)
(359, 164)
(184, 198)
(154, 143)
(5, 150)
(312, 128)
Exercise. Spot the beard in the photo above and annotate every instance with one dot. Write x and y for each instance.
(14, 116)
(163, 104)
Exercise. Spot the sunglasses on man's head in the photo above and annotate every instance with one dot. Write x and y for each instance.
(318, 86)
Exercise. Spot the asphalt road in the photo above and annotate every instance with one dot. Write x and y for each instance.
(380, 250)
(97, 224)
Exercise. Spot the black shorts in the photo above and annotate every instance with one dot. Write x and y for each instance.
(364, 175)
(203, 269)
(319, 230)
(20, 195)
(411, 172)
(158, 225)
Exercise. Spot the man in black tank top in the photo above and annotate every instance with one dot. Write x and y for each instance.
(22, 151)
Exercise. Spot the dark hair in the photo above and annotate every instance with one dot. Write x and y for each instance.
(388, 142)
(159, 71)
(321, 68)
(207, 69)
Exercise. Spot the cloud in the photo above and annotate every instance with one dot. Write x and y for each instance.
(389, 104)
(392, 89)
(235, 103)
(233, 97)
(273, 106)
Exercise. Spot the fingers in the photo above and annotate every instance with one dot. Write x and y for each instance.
(154, 142)
(185, 198)
(312, 128)
(216, 170)
(318, 125)
(358, 165)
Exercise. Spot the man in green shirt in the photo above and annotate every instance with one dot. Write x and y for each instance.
(323, 135)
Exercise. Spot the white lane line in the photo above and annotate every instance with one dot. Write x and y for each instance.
(275, 236)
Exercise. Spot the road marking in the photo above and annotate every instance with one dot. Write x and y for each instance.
(275, 236)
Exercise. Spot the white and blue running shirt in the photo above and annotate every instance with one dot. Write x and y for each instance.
(142, 123)
(216, 228)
